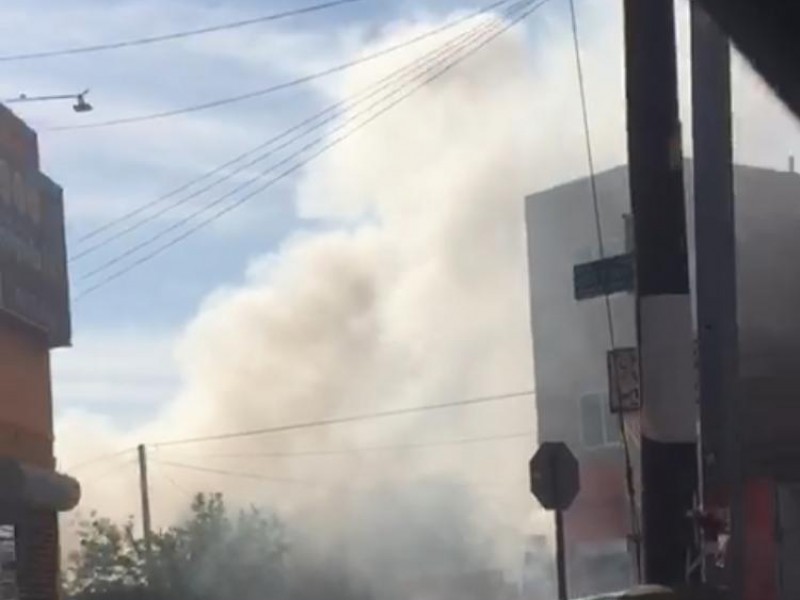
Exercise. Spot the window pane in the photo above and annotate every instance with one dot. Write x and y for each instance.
(592, 421)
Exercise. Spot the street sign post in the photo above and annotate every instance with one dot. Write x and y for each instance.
(555, 482)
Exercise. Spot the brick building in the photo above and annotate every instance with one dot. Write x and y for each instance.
(34, 318)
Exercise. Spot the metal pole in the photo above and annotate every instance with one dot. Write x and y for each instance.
(146, 526)
(715, 260)
(663, 303)
(561, 563)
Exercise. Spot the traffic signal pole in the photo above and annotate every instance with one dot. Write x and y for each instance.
(663, 302)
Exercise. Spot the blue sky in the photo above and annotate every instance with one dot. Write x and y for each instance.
(121, 365)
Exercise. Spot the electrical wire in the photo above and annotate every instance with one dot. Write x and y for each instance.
(629, 482)
(163, 473)
(317, 121)
(97, 459)
(289, 171)
(270, 169)
(115, 468)
(273, 88)
(308, 483)
(240, 475)
(175, 35)
(342, 420)
(384, 448)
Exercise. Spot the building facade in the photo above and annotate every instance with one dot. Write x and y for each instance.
(34, 318)
(571, 339)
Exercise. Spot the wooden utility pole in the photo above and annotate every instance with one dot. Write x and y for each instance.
(715, 260)
(663, 303)
(147, 531)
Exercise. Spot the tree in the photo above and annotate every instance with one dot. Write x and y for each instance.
(209, 556)
(110, 562)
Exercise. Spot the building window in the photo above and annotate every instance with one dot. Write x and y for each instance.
(599, 427)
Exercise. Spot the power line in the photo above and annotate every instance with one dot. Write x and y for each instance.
(98, 459)
(317, 121)
(255, 476)
(113, 469)
(305, 482)
(362, 449)
(286, 173)
(341, 420)
(629, 483)
(270, 169)
(175, 35)
(260, 146)
(271, 182)
(172, 481)
(273, 88)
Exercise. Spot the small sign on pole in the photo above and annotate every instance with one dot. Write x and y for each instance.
(555, 482)
(624, 384)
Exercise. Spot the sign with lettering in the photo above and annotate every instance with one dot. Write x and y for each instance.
(624, 386)
(33, 269)
(604, 277)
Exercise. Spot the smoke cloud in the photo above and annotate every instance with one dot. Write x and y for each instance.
(414, 292)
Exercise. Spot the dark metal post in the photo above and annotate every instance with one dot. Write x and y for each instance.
(715, 260)
(669, 407)
(561, 561)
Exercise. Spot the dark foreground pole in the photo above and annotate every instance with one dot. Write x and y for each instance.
(664, 312)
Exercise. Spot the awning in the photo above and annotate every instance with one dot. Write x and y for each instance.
(33, 487)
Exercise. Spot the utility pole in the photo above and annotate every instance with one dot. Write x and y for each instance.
(663, 303)
(146, 526)
(715, 259)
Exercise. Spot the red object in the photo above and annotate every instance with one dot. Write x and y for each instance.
(761, 553)
(599, 513)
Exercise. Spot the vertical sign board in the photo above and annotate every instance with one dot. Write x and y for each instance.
(624, 385)
(33, 267)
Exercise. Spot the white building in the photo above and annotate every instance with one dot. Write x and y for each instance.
(571, 339)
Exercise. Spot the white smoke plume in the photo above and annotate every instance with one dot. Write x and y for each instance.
(416, 292)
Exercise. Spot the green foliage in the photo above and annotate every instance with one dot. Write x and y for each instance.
(110, 560)
(210, 555)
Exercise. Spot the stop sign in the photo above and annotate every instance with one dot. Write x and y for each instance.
(554, 475)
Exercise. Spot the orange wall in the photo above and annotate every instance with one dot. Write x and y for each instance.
(26, 418)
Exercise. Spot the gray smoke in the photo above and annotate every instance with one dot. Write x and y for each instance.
(414, 292)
